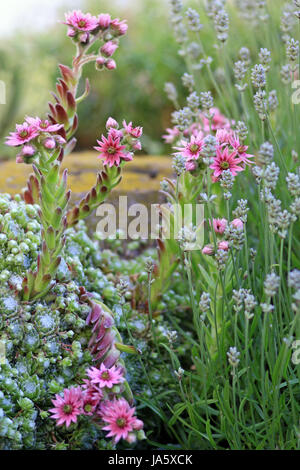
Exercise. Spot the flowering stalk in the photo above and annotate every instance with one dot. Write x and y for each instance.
(45, 143)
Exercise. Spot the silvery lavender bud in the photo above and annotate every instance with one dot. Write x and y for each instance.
(204, 304)
(182, 118)
(245, 55)
(273, 100)
(222, 25)
(176, 6)
(171, 92)
(253, 254)
(226, 179)
(250, 304)
(233, 357)
(258, 76)
(193, 50)
(234, 236)
(239, 70)
(293, 184)
(283, 221)
(260, 104)
(178, 164)
(241, 130)
(271, 174)
(267, 308)
(238, 297)
(122, 287)
(241, 211)
(287, 19)
(209, 148)
(172, 337)
(295, 156)
(266, 153)
(187, 237)
(206, 100)
(164, 185)
(292, 51)
(221, 258)
(258, 173)
(179, 373)
(295, 209)
(271, 284)
(265, 57)
(213, 6)
(193, 20)
(294, 279)
(285, 74)
(188, 81)
(193, 101)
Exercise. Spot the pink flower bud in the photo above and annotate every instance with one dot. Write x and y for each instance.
(100, 62)
(137, 145)
(104, 20)
(208, 250)
(131, 438)
(110, 64)
(60, 140)
(219, 225)
(115, 133)
(28, 150)
(84, 37)
(109, 48)
(223, 246)
(71, 33)
(138, 424)
(119, 26)
(19, 159)
(111, 122)
(238, 223)
(49, 143)
(191, 165)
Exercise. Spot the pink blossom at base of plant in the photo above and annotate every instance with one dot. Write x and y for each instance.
(238, 223)
(105, 377)
(80, 21)
(219, 225)
(67, 408)
(24, 133)
(208, 250)
(119, 419)
(223, 246)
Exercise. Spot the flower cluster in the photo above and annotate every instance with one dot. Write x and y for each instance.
(98, 397)
(119, 144)
(221, 228)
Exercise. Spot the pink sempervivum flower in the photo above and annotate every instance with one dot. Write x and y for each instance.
(225, 161)
(135, 132)
(111, 122)
(111, 150)
(104, 20)
(240, 149)
(171, 135)
(219, 225)
(223, 136)
(219, 121)
(24, 133)
(190, 165)
(238, 223)
(67, 408)
(208, 250)
(89, 404)
(120, 419)
(110, 64)
(80, 21)
(192, 149)
(223, 246)
(43, 125)
(119, 26)
(92, 390)
(105, 377)
(109, 48)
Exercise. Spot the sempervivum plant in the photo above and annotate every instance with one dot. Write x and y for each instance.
(61, 346)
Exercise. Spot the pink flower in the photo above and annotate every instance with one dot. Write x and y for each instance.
(49, 143)
(190, 165)
(238, 223)
(24, 133)
(192, 149)
(240, 149)
(120, 419)
(219, 121)
(43, 125)
(105, 377)
(28, 150)
(119, 26)
(89, 404)
(111, 123)
(223, 136)
(109, 48)
(171, 135)
(208, 250)
(110, 64)
(80, 21)
(135, 132)
(104, 20)
(223, 246)
(111, 150)
(92, 390)
(225, 161)
(219, 225)
(67, 408)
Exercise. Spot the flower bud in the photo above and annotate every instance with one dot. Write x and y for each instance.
(109, 48)
(208, 250)
(49, 143)
(111, 122)
(104, 20)
(223, 246)
(237, 223)
(110, 64)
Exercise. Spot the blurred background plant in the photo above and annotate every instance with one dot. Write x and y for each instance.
(148, 59)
